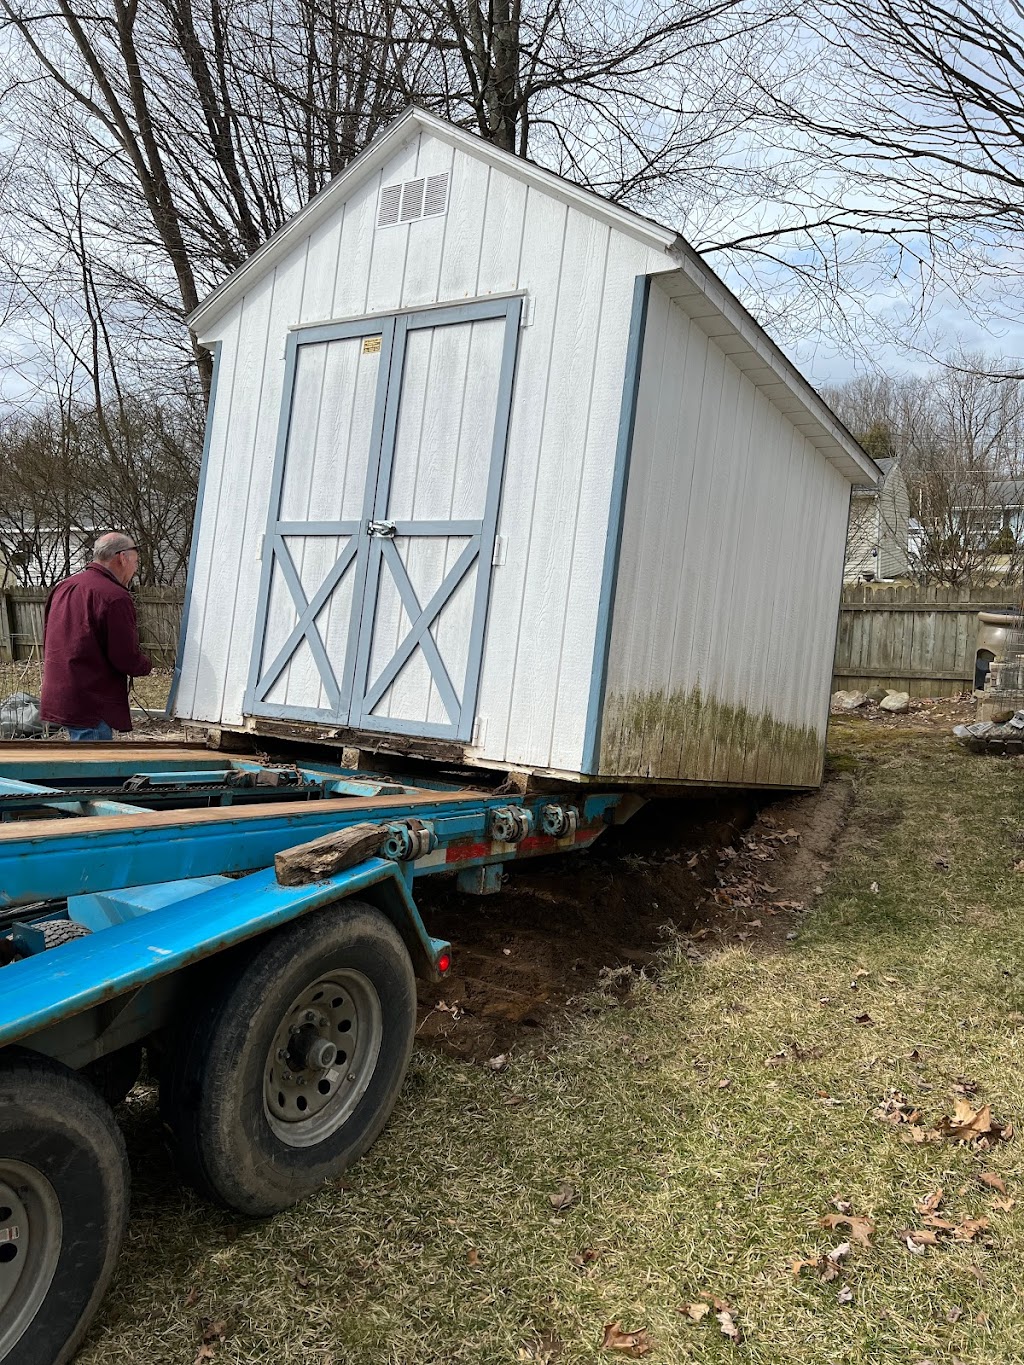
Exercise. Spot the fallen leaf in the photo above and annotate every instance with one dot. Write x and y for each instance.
(864, 1019)
(843, 1205)
(498, 1063)
(1003, 1205)
(969, 1229)
(913, 1246)
(993, 1181)
(932, 1220)
(693, 861)
(973, 1125)
(696, 1311)
(193, 1296)
(873, 888)
(302, 1279)
(924, 1237)
(955, 1314)
(722, 1084)
(565, 1195)
(930, 1202)
(729, 1327)
(861, 1228)
(637, 1343)
(204, 1353)
(213, 1331)
(472, 1257)
(845, 1294)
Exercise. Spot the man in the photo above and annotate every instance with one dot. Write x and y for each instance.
(91, 644)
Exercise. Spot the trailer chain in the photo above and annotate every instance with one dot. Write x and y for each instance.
(120, 793)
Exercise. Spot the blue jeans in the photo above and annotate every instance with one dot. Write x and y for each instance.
(100, 731)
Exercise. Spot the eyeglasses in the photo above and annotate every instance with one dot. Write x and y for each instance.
(129, 550)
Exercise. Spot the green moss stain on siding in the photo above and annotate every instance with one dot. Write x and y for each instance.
(695, 737)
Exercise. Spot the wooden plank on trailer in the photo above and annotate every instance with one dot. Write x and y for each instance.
(330, 854)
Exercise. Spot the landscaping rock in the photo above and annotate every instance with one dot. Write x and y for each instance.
(896, 702)
(878, 694)
(848, 701)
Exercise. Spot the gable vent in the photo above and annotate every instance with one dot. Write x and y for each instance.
(411, 200)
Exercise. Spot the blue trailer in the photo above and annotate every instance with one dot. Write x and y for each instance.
(253, 924)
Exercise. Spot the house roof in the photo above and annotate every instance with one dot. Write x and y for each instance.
(686, 278)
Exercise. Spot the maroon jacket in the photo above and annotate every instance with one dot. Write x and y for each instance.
(90, 649)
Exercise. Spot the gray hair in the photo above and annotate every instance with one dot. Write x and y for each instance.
(110, 544)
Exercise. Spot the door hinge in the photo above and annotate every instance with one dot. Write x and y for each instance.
(387, 530)
(526, 316)
(500, 546)
(479, 732)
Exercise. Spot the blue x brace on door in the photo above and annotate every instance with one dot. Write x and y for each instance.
(382, 516)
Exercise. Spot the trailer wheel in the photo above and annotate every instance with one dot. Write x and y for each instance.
(63, 1207)
(290, 1073)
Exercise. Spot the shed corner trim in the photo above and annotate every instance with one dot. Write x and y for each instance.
(616, 518)
(190, 578)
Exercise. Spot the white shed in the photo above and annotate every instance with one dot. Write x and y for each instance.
(498, 470)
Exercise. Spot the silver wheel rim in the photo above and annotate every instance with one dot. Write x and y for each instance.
(31, 1234)
(322, 1058)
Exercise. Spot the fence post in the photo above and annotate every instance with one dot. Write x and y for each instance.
(6, 627)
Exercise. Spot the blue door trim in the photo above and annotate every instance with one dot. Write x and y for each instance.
(353, 694)
(340, 693)
(190, 580)
(461, 710)
(616, 516)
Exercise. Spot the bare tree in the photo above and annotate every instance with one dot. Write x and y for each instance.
(908, 117)
(956, 435)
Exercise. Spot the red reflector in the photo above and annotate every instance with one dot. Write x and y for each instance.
(444, 962)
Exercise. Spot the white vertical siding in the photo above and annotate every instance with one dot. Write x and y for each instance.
(497, 236)
(729, 578)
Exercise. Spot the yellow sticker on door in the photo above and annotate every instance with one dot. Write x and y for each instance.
(371, 346)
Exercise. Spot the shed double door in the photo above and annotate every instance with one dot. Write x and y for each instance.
(383, 508)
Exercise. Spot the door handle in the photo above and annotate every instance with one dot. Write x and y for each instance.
(387, 530)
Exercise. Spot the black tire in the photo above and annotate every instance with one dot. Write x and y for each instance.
(115, 1075)
(64, 1186)
(58, 931)
(240, 1139)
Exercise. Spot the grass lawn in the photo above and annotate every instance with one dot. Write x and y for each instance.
(695, 1168)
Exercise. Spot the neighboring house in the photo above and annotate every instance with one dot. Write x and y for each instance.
(38, 556)
(877, 542)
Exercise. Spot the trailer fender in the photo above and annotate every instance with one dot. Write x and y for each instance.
(49, 987)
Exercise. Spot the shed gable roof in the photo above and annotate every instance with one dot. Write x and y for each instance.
(687, 278)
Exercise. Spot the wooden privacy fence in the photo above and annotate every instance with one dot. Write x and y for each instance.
(921, 640)
(21, 623)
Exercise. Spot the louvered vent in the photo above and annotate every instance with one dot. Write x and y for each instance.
(411, 200)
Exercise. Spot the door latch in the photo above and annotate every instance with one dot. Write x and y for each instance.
(387, 530)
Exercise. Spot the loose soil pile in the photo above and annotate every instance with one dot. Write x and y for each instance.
(720, 867)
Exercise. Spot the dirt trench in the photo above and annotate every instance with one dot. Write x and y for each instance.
(731, 868)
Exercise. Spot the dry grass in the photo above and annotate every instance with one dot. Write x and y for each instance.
(26, 676)
(443, 1246)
